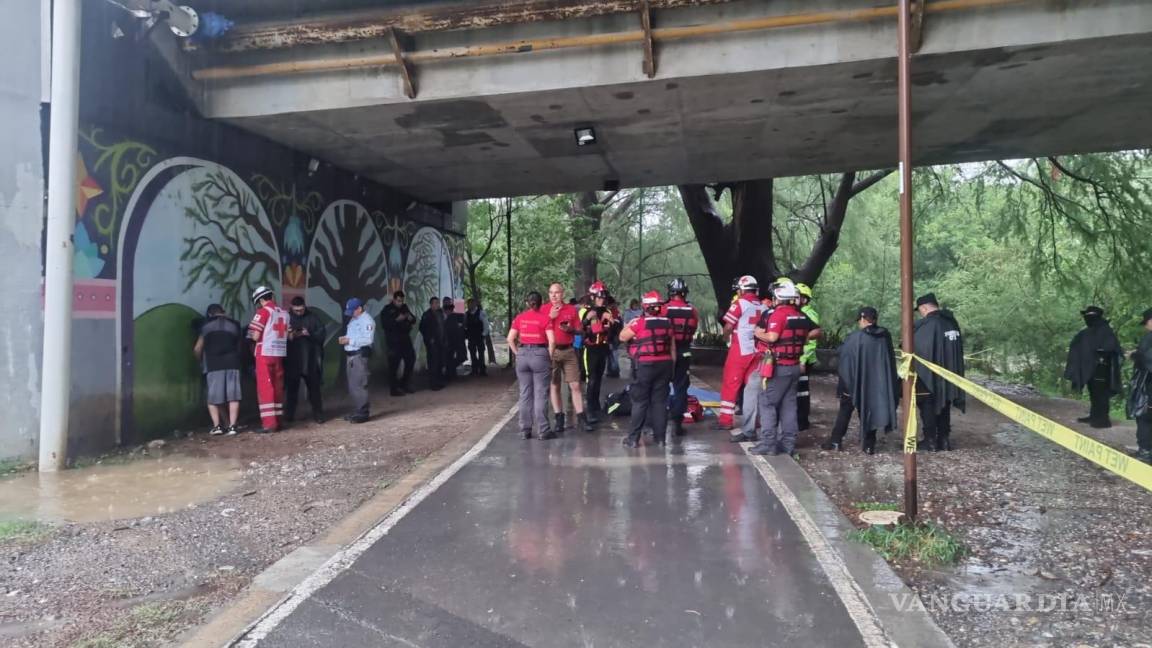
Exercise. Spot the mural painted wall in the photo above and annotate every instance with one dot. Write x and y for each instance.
(160, 237)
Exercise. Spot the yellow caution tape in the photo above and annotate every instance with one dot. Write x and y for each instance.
(1127, 467)
(904, 369)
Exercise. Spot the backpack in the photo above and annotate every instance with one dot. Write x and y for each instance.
(619, 403)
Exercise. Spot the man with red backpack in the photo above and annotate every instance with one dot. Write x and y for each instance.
(786, 329)
(652, 347)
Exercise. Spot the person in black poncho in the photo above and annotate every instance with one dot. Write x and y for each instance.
(1094, 362)
(1139, 395)
(868, 382)
(937, 340)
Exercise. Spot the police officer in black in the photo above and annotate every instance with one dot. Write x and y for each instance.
(397, 321)
(432, 332)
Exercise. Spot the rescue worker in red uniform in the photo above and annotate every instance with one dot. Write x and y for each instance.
(786, 330)
(531, 340)
(652, 346)
(599, 323)
(269, 330)
(740, 323)
(684, 319)
(564, 320)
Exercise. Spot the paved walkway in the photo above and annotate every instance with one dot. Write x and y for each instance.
(578, 542)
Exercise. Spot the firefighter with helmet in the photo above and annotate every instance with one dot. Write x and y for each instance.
(684, 319)
(739, 323)
(599, 323)
(269, 330)
(786, 329)
(652, 347)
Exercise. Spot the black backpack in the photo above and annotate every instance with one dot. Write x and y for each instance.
(619, 403)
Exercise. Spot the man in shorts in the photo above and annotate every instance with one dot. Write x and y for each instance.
(564, 322)
(219, 348)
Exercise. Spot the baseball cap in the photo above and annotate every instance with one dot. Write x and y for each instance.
(1092, 310)
(927, 298)
(352, 305)
(868, 313)
(651, 298)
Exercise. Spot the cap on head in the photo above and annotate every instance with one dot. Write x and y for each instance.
(651, 298)
(805, 290)
(1093, 311)
(868, 313)
(747, 283)
(1146, 316)
(351, 306)
(598, 289)
(260, 293)
(677, 287)
(927, 299)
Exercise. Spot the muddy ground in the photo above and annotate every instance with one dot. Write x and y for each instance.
(141, 580)
(1059, 552)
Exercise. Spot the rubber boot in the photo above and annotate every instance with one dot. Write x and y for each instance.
(592, 418)
(870, 443)
(558, 428)
(676, 428)
(582, 423)
(943, 443)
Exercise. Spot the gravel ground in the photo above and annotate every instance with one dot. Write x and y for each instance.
(140, 582)
(1059, 552)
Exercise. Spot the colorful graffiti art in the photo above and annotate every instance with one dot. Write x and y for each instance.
(158, 239)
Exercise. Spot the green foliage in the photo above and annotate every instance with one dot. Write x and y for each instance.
(923, 542)
(167, 390)
(24, 531)
(876, 506)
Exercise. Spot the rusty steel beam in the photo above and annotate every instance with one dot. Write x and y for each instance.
(367, 25)
(405, 67)
(646, 26)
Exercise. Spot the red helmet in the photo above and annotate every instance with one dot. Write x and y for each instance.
(651, 298)
(598, 289)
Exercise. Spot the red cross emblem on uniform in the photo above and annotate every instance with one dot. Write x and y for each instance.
(280, 327)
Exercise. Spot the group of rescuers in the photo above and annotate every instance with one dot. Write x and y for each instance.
(770, 356)
(773, 348)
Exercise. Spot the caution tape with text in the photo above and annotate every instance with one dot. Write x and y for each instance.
(1127, 467)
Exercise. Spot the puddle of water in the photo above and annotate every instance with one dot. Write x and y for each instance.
(111, 492)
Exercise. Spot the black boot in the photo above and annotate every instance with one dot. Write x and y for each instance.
(582, 423)
(943, 443)
(558, 428)
(592, 418)
(1143, 454)
(870, 443)
(831, 445)
(676, 428)
(526, 434)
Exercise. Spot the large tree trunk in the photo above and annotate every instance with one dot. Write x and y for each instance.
(745, 245)
(585, 212)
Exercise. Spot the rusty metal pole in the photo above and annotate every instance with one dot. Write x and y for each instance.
(906, 296)
(508, 251)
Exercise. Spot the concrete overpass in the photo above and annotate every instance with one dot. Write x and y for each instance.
(449, 101)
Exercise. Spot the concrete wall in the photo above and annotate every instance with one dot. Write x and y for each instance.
(21, 227)
(174, 213)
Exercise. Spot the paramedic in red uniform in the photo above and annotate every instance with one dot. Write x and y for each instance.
(269, 330)
(786, 330)
(564, 321)
(531, 341)
(684, 320)
(652, 347)
(599, 323)
(740, 322)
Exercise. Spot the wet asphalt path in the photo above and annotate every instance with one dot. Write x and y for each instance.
(579, 542)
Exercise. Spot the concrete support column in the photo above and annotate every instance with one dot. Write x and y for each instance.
(55, 393)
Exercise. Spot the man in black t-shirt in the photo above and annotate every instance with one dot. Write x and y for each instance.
(397, 321)
(219, 350)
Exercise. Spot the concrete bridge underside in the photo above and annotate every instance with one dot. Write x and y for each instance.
(1002, 80)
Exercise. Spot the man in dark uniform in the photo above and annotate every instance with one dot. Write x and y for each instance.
(937, 340)
(868, 382)
(455, 351)
(397, 320)
(1138, 398)
(432, 332)
(652, 347)
(474, 334)
(305, 360)
(1094, 362)
(684, 320)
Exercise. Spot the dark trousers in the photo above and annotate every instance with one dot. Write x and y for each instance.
(681, 381)
(357, 369)
(435, 353)
(613, 360)
(803, 399)
(595, 361)
(843, 418)
(292, 392)
(1144, 432)
(934, 424)
(777, 405)
(398, 354)
(1100, 398)
(491, 349)
(476, 355)
(649, 392)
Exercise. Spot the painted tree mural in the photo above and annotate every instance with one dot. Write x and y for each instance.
(232, 247)
(429, 271)
(347, 260)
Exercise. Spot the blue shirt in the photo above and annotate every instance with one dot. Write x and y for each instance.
(361, 332)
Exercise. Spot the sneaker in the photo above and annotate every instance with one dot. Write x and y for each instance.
(232, 431)
(216, 431)
(831, 445)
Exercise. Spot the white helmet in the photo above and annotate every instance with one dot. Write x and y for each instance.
(260, 293)
(747, 283)
(787, 291)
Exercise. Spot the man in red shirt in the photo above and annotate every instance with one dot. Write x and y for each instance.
(269, 330)
(740, 323)
(652, 346)
(786, 330)
(564, 322)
